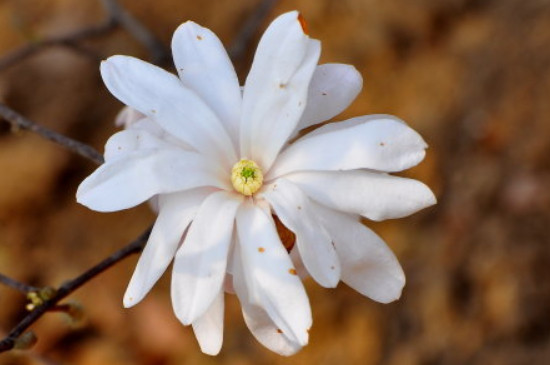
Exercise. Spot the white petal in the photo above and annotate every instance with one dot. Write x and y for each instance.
(121, 144)
(176, 212)
(294, 210)
(129, 181)
(162, 97)
(374, 142)
(127, 117)
(332, 89)
(269, 274)
(368, 265)
(200, 263)
(204, 66)
(374, 195)
(209, 327)
(275, 91)
(258, 321)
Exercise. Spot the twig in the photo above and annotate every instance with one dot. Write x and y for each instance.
(250, 27)
(69, 40)
(159, 53)
(24, 288)
(80, 148)
(70, 286)
(117, 16)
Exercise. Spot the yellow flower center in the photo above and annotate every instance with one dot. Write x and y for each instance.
(247, 177)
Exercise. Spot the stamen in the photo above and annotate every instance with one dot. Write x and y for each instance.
(247, 177)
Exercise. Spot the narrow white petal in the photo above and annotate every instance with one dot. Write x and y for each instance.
(121, 144)
(176, 212)
(162, 97)
(270, 276)
(275, 91)
(368, 265)
(294, 210)
(204, 66)
(332, 89)
(373, 195)
(200, 263)
(209, 327)
(377, 142)
(129, 181)
(258, 321)
(128, 117)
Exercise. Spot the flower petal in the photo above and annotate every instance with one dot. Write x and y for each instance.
(368, 265)
(270, 277)
(121, 144)
(127, 117)
(200, 263)
(373, 195)
(377, 142)
(332, 89)
(258, 321)
(129, 181)
(162, 97)
(204, 66)
(275, 91)
(293, 208)
(208, 328)
(176, 212)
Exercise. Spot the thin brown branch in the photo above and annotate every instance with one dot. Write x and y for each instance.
(20, 121)
(68, 40)
(23, 288)
(251, 25)
(159, 53)
(70, 286)
(116, 17)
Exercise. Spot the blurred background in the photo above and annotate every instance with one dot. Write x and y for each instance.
(472, 76)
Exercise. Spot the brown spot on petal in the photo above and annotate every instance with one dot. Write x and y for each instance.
(382, 144)
(324, 94)
(299, 207)
(282, 86)
(303, 23)
(292, 272)
(199, 38)
(261, 249)
(279, 330)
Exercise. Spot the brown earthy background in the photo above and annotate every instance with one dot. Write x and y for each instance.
(472, 76)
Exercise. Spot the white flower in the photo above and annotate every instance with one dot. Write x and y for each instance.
(220, 167)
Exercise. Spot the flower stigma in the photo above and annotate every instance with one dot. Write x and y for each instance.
(247, 177)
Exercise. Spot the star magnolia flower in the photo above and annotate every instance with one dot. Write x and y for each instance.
(220, 165)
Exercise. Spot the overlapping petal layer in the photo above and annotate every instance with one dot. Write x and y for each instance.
(200, 264)
(275, 92)
(380, 143)
(373, 195)
(129, 181)
(176, 211)
(269, 274)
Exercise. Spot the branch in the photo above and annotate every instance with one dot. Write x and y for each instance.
(70, 286)
(250, 27)
(69, 40)
(159, 53)
(20, 121)
(117, 16)
(23, 288)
